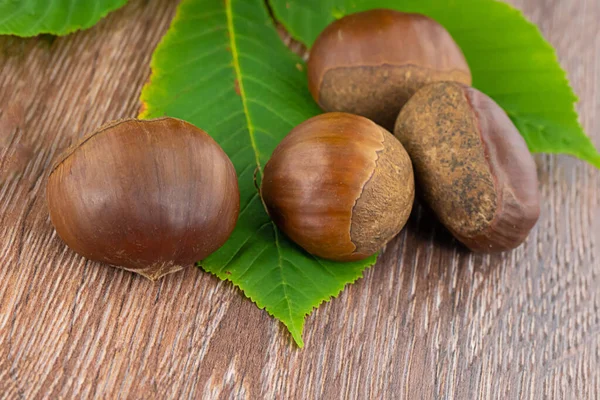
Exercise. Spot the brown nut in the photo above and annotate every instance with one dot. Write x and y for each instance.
(150, 196)
(471, 165)
(372, 62)
(340, 186)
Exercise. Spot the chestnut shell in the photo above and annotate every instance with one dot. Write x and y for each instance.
(370, 63)
(150, 196)
(472, 165)
(340, 186)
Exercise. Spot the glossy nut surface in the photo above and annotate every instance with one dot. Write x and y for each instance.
(340, 186)
(149, 196)
(471, 165)
(372, 62)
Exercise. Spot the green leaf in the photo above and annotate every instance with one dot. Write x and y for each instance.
(223, 67)
(509, 59)
(57, 17)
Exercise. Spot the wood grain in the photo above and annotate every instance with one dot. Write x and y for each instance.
(428, 321)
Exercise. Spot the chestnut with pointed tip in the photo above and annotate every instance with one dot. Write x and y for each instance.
(472, 165)
(370, 63)
(340, 186)
(151, 197)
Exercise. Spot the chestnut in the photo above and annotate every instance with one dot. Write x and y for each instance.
(472, 166)
(370, 63)
(151, 196)
(340, 186)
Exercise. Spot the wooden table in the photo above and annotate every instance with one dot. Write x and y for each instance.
(428, 321)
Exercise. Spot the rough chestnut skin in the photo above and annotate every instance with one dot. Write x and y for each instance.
(340, 186)
(471, 165)
(150, 196)
(372, 62)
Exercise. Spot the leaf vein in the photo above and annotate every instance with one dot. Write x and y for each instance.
(240, 80)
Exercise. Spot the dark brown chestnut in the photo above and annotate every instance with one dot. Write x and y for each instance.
(340, 186)
(472, 166)
(370, 63)
(152, 196)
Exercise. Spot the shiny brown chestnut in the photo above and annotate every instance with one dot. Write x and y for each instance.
(340, 186)
(370, 63)
(151, 197)
(472, 166)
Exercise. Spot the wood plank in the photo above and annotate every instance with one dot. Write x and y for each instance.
(428, 321)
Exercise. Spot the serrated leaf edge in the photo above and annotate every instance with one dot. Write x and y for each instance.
(589, 156)
(294, 329)
(296, 335)
(65, 30)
